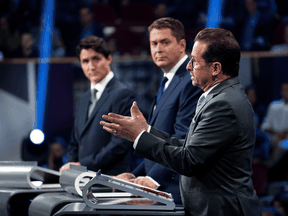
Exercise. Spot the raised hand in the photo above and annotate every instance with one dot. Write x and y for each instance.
(124, 126)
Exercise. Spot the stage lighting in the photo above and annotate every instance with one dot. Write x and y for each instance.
(37, 136)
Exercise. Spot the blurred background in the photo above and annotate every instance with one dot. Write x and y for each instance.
(41, 78)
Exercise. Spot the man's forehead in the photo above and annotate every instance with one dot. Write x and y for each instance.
(198, 48)
(164, 32)
(85, 53)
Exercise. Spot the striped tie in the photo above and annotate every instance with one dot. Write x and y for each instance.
(200, 101)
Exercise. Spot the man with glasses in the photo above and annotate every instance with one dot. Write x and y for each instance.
(214, 161)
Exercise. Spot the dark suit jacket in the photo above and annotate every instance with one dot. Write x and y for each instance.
(215, 159)
(90, 144)
(173, 115)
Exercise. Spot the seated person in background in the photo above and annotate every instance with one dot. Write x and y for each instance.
(91, 145)
(259, 23)
(57, 47)
(26, 48)
(259, 109)
(276, 125)
(9, 35)
(57, 156)
(84, 27)
(276, 121)
(281, 39)
(278, 207)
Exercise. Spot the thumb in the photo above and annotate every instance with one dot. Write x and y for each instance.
(135, 110)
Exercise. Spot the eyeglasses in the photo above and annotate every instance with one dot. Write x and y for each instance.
(192, 62)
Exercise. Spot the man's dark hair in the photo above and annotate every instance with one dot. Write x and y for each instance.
(221, 47)
(175, 25)
(96, 43)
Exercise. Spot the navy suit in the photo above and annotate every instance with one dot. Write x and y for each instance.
(173, 115)
(90, 144)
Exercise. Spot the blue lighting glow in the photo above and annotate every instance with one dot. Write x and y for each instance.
(47, 23)
(214, 13)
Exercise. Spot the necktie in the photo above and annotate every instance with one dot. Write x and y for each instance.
(161, 88)
(200, 101)
(93, 101)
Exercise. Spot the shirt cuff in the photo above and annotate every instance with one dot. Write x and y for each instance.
(138, 137)
(155, 182)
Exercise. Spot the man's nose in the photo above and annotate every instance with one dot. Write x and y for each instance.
(92, 65)
(158, 48)
(189, 65)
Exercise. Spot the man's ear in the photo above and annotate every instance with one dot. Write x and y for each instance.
(182, 43)
(216, 68)
(110, 58)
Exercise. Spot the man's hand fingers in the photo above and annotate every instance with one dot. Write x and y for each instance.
(135, 110)
(112, 119)
(64, 167)
(116, 116)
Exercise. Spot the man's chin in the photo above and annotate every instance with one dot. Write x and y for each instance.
(161, 63)
(194, 83)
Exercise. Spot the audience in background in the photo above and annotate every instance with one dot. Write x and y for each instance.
(26, 13)
(262, 145)
(187, 11)
(233, 16)
(57, 45)
(252, 22)
(259, 109)
(9, 35)
(83, 27)
(57, 154)
(280, 38)
(259, 25)
(88, 26)
(278, 206)
(276, 125)
(26, 48)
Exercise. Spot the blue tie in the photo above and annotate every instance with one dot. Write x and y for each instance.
(161, 88)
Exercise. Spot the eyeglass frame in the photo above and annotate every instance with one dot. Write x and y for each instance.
(191, 60)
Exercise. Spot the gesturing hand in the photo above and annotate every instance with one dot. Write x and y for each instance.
(124, 126)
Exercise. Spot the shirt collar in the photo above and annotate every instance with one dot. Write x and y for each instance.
(101, 85)
(170, 74)
(210, 89)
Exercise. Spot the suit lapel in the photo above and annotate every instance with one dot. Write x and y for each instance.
(214, 92)
(151, 112)
(102, 100)
(83, 108)
(173, 84)
(175, 81)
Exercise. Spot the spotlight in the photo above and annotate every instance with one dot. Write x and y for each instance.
(36, 136)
